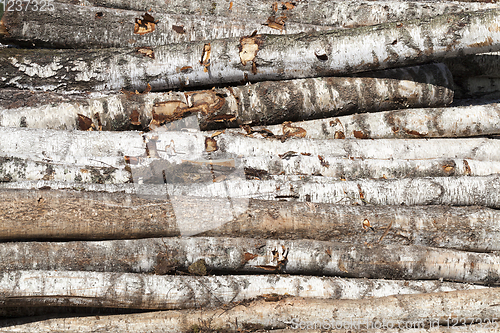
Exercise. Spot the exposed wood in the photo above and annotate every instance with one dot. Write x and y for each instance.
(254, 58)
(140, 291)
(246, 255)
(74, 26)
(49, 214)
(457, 121)
(269, 102)
(322, 12)
(422, 309)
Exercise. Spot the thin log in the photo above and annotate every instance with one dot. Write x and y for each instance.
(140, 291)
(200, 255)
(456, 191)
(448, 122)
(50, 215)
(337, 14)
(253, 58)
(258, 104)
(254, 168)
(419, 311)
(74, 26)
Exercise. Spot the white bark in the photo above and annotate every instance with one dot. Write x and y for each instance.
(459, 121)
(140, 291)
(269, 57)
(247, 255)
(422, 309)
(106, 27)
(261, 103)
(371, 168)
(108, 149)
(456, 191)
(333, 13)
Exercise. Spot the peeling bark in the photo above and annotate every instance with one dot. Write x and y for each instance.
(337, 14)
(269, 102)
(448, 122)
(74, 26)
(140, 291)
(244, 255)
(347, 51)
(421, 309)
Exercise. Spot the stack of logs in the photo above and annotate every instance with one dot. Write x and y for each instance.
(240, 166)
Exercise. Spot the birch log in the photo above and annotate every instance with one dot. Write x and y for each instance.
(456, 191)
(74, 26)
(252, 168)
(269, 102)
(415, 311)
(140, 291)
(456, 121)
(110, 148)
(337, 14)
(50, 215)
(202, 255)
(255, 57)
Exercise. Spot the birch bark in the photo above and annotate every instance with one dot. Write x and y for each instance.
(254, 58)
(450, 122)
(74, 26)
(246, 255)
(140, 291)
(419, 309)
(269, 102)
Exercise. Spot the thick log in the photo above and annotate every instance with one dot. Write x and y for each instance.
(417, 311)
(200, 255)
(254, 58)
(269, 102)
(140, 291)
(74, 26)
(337, 13)
(111, 149)
(45, 215)
(448, 122)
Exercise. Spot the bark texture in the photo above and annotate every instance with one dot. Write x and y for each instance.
(269, 102)
(111, 149)
(448, 122)
(422, 309)
(254, 58)
(47, 214)
(201, 255)
(75, 26)
(337, 14)
(140, 291)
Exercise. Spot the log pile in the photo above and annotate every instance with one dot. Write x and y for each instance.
(242, 166)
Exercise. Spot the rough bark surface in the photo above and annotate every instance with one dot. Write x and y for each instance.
(47, 214)
(448, 122)
(140, 291)
(422, 309)
(254, 58)
(245, 255)
(74, 26)
(269, 102)
(332, 13)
